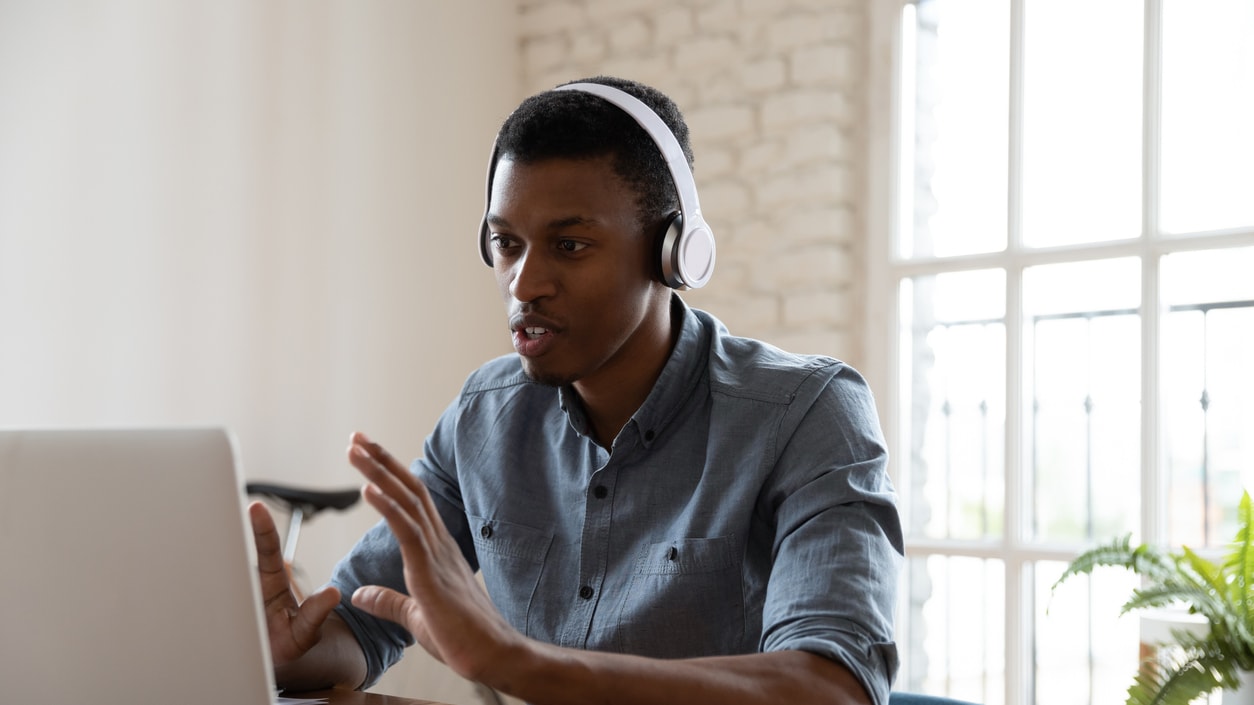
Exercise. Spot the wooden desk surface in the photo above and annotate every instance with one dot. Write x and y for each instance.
(338, 696)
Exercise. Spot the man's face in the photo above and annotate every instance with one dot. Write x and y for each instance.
(575, 270)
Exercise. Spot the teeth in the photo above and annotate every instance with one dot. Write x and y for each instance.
(535, 332)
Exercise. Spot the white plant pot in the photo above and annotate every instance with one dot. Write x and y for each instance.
(1245, 694)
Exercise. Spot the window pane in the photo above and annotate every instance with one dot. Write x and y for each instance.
(1208, 98)
(953, 342)
(957, 179)
(1085, 651)
(1081, 121)
(1084, 379)
(955, 619)
(1208, 391)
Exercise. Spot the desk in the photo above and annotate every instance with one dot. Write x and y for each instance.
(338, 696)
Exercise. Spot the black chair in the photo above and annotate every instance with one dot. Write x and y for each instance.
(301, 503)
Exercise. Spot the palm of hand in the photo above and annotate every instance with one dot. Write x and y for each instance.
(447, 610)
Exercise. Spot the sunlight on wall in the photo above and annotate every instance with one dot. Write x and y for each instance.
(256, 215)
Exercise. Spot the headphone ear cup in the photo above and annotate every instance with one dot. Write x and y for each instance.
(668, 252)
(485, 246)
(686, 255)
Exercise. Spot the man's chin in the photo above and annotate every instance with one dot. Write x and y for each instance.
(545, 376)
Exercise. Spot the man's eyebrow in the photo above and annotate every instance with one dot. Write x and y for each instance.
(569, 221)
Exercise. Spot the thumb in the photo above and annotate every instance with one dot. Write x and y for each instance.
(383, 603)
(307, 624)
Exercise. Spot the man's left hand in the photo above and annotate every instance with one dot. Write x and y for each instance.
(447, 610)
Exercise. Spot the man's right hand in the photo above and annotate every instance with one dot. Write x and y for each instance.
(294, 627)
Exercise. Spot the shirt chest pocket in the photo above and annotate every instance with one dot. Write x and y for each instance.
(511, 557)
(684, 599)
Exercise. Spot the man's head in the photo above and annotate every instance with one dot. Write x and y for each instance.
(576, 125)
(578, 197)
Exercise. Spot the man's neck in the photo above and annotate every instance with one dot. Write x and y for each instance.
(610, 399)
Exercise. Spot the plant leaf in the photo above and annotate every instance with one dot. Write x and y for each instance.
(1165, 594)
(1177, 687)
(1241, 563)
(1223, 593)
(1146, 560)
(1208, 573)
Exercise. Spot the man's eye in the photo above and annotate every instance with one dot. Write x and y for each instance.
(502, 242)
(570, 245)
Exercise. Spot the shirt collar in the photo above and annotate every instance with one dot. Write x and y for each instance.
(679, 377)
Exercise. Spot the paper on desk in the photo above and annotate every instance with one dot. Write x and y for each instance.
(280, 700)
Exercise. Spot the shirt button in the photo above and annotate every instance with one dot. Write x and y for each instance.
(672, 553)
(485, 531)
(586, 592)
(648, 435)
(600, 491)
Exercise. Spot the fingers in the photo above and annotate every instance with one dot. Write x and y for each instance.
(377, 452)
(409, 529)
(264, 532)
(270, 567)
(313, 612)
(395, 481)
(362, 448)
(384, 603)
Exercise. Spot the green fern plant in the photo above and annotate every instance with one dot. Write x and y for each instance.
(1223, 593)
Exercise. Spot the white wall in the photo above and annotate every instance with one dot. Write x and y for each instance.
(254, 214)
(775, 93)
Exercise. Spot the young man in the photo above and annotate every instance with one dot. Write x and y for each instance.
(662, 512)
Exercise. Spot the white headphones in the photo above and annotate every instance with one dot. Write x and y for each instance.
(688, 245)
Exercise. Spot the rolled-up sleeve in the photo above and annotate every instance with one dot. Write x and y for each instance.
(838, 545)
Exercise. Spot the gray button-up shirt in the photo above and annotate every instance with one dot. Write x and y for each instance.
(745, 507)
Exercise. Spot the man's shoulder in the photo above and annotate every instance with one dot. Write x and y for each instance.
(755, 368)
(500, 373)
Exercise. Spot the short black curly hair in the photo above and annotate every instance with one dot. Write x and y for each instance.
(576, 125)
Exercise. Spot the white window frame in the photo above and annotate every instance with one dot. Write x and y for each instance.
(882, 364)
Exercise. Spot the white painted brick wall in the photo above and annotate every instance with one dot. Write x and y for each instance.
(774, 92)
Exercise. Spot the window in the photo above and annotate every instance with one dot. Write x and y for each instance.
(1062, 319)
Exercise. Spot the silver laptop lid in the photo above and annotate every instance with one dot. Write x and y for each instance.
(126, 570)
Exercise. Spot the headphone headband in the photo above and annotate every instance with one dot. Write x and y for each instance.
(688, 246)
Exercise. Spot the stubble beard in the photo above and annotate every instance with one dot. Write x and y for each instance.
(545, 377)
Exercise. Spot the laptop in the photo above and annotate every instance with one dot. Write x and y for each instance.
(127, 570)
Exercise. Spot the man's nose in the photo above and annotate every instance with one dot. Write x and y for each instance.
(532, 277)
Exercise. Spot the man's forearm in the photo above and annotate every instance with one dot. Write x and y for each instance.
(336, 660)
(549, 675)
